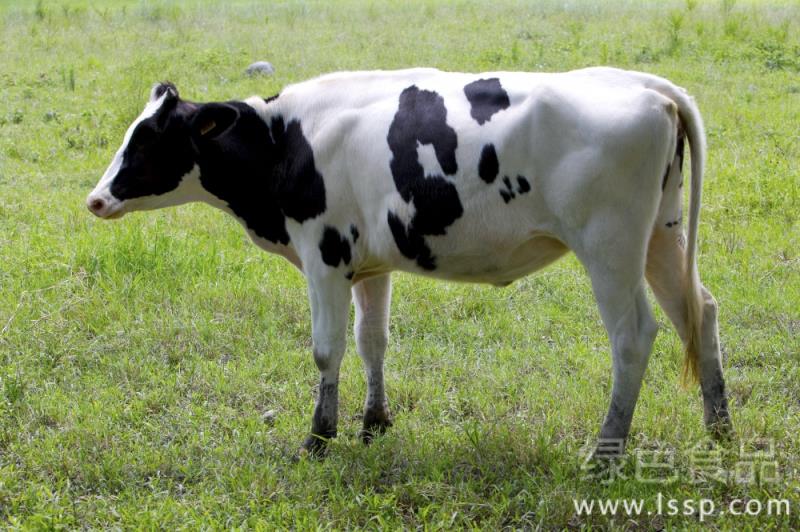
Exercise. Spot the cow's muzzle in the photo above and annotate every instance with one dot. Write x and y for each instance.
(102, 208)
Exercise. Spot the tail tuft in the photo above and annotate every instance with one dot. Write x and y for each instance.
(691, 363)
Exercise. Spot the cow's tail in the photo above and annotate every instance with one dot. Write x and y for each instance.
(692, 123)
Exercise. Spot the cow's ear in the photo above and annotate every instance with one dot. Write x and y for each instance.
(166, 87)
(212, 120)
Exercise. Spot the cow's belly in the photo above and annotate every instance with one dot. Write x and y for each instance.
(500, 265)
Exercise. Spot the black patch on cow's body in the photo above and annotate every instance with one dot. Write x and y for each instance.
(334, 247)
(507, 193)
(489, 166)
(523, 184)
(354, 233)
(299, 184)
(272, 98)
(349, 275)
(410, 243)
(679, 148)
(264, 174)
(238, 168)
(422, 119)
(486, 97)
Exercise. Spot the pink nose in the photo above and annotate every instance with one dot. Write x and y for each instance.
(96, 205)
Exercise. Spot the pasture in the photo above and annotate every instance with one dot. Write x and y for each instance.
(156, 372)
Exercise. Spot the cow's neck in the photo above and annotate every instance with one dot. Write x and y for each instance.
(270, 178)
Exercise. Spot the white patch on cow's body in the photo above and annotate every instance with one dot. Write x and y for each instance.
(189, 189)
(427, 159)
(288, 252)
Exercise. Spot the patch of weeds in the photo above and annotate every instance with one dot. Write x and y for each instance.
(210, 58)
(734, 27)
(75, 138)
(604, 55)
(674, 24)
(103, 14)
(493, 58)
(68, 78)
(577, 29)
(39, 11)
(7, 80)
(515, 51)
(525, 35)
(727, 6)
(776, 56)
(74, 12)
(13, 388)
(159, 13)
(646, 55)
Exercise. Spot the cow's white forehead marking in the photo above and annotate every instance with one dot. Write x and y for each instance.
(150, 109)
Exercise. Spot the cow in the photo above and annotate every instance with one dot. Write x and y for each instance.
(480, 178)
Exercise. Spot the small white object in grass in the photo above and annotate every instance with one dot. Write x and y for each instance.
(260, 67)
(269, 416)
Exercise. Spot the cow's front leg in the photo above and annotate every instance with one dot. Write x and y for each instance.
(373, 299)
(329, 296)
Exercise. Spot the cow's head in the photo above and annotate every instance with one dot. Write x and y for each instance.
(157, 164)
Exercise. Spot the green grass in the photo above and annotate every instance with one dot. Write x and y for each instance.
(137, 359)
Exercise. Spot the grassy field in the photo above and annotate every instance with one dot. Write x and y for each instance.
(157, 373)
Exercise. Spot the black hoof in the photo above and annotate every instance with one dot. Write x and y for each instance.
(721, 430)
(314, 446)
(609, 449)
(375, 424)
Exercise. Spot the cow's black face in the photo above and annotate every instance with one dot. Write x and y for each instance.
(157, 158)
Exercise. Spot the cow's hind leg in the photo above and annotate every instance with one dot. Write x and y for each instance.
(329, 296)
(666, 272)
(373, 298)
(631, 330)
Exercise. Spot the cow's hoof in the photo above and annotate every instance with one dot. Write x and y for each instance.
(721, 429)
(375, 423)
(603, 456)
(368, 433)
(609, 449)
(314, 446)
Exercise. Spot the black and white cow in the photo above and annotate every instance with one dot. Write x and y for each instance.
(469, 177)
